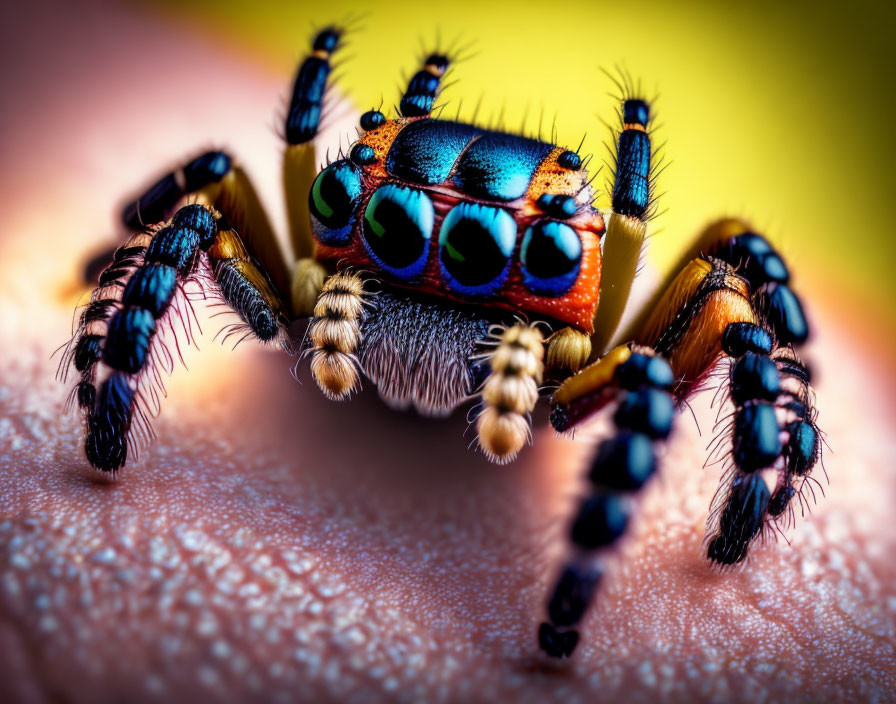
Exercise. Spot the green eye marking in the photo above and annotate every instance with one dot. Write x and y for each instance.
(475, 244)
(398, 223)
(378, 229)
(334, 194)
(319, 202)
(453, 253)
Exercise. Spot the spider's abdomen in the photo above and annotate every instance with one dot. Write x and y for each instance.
(477, 216)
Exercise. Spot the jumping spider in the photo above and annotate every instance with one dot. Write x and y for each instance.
(422, 256)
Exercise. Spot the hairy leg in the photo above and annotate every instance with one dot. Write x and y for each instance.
(284, 546)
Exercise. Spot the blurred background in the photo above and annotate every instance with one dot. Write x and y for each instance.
(774, 111)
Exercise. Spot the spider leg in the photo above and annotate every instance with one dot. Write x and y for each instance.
(639, 381)
(774, 419)
(335, 335)
(119, 350)
(300, 164)
(510, 392)
(751, 316)
(627, 226)
(706, 312)
(214, 179)
(424, 86)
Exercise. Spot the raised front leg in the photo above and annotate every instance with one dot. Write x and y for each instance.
(424, 87)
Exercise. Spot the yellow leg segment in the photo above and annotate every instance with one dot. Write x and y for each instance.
(622, 249)
(299, 171)
(685, 322)
(240, 204)
(593, 378)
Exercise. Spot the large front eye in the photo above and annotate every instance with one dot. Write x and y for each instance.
(551, 255)
(397, 227)
(475, 244)
(333, 198)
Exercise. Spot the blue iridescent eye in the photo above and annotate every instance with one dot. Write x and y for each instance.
(551, 255)
(475, 244)
(333, 197)
(397, 227)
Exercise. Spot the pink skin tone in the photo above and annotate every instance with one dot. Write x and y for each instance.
(274, 545)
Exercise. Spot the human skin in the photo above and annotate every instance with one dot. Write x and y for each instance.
(272, 545)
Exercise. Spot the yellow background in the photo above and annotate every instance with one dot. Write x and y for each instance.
(773, 111)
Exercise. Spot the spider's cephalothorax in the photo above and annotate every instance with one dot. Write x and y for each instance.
(445, 262)
(453, 219)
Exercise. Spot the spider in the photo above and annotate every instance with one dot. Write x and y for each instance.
(447, 262)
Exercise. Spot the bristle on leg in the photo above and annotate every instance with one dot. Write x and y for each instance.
(119, 349)
(126, 339)
(335, 335)
(510, 393)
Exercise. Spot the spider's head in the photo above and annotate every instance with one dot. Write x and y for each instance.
(452, 210)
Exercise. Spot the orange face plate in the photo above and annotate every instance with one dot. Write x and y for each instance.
(576, 308)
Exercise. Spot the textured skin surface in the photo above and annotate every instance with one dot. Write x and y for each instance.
(276, 546)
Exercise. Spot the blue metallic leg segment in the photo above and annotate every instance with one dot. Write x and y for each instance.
(631, 189)
(306, 106)
(759, 263)
(300, 166)
(756, 260)
(770, 391)
(424, 86)
(118, 326)
(622, 465)
(214, 179)
(627, 226)
(115, 351)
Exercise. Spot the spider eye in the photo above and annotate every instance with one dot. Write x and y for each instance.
(397, 227)
(475, 244)
(551, 255)
(332, 200)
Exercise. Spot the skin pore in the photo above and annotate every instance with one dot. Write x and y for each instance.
(272, 545)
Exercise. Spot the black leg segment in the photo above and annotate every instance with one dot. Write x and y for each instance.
(631, 190)
(621, 466)
(306, 106)
(424, 87)
(157, 203)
